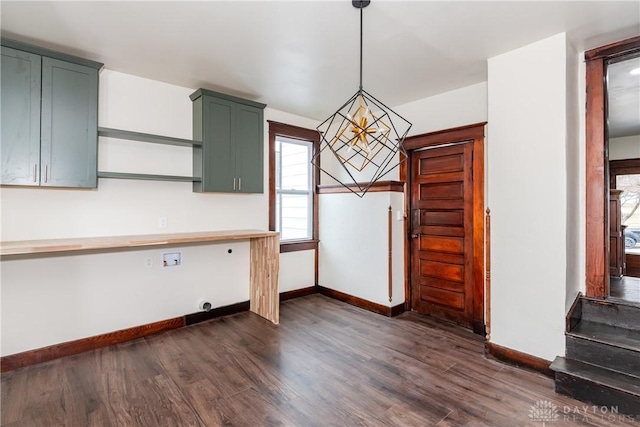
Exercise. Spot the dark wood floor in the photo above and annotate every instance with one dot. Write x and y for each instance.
(327, 364)
(625, 287)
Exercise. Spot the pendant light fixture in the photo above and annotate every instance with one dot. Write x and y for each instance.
(364, 136)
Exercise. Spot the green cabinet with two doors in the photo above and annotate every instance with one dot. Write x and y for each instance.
(49, 118)
(231, 158)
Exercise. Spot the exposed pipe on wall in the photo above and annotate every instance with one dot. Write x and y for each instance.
(390, 268)
(487, 230)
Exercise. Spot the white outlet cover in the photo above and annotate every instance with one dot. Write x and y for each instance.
(162, 222)
(148, 262)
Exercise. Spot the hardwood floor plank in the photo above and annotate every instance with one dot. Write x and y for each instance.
(203, 396)
(400, 415)
(83, 397)
(257, 407)
(326, 364)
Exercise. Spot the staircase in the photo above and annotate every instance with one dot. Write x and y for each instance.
(602, 362)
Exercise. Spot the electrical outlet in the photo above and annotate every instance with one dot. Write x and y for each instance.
(148, 262)
(162, 222)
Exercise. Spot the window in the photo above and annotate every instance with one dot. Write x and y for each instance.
(294, 196)
(625, 176)
(292, 186)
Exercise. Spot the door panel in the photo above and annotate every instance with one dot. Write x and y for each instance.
(441, 270)
(442, 297)
(450, 217)
(442, 226)
(443, 244)
(447, 285)
(441, 164)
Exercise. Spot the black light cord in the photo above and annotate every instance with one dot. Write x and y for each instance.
(361, 9)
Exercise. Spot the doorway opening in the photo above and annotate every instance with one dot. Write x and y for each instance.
(612, 154)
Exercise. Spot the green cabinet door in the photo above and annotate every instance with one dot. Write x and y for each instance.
(20, 136)
(249, 149)
(69, 134)
(219, 155)
(231, 158)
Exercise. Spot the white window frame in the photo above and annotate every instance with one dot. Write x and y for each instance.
(280, 192)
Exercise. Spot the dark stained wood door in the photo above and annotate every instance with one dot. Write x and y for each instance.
(442, 232)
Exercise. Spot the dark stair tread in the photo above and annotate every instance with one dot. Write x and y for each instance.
(607, 334)
(614, 312)
(602, 376)
(614, 301)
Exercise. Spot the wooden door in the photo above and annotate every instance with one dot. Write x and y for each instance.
(442, 232)
(616, 235)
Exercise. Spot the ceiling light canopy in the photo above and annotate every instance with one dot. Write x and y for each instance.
(364, 136)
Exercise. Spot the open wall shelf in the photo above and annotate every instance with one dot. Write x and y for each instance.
(146, 137)
(154, 139)
(125, 175)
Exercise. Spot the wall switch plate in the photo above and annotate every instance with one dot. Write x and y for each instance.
(399, 215)
(162, 222)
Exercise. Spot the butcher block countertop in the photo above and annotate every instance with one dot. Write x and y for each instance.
(25, 247)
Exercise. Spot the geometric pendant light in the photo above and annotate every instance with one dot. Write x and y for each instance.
(364, 135)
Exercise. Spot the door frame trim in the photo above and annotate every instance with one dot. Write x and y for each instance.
(474, 133)
(596, 167)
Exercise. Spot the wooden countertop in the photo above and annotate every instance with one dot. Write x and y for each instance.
(24, 247)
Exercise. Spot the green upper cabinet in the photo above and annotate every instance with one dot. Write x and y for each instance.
(20, 98)
(231, 158)
(69, 131)
(49, 118)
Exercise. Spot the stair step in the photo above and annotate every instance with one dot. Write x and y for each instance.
(597, 353)
(597, 385)
(614, 313)
(607, 334)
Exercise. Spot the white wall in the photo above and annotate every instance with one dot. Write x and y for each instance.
(297, 270)
(528, 198)
(354, 253)
(353, 242)
(120, 207)
(626, 147)
(53, 299)
(464, 106)
(575, 253)
(48, 300)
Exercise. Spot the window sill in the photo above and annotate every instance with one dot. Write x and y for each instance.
(298, 245)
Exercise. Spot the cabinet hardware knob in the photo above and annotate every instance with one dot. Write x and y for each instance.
(415, 236)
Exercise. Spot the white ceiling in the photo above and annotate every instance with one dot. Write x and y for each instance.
(302, 56)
